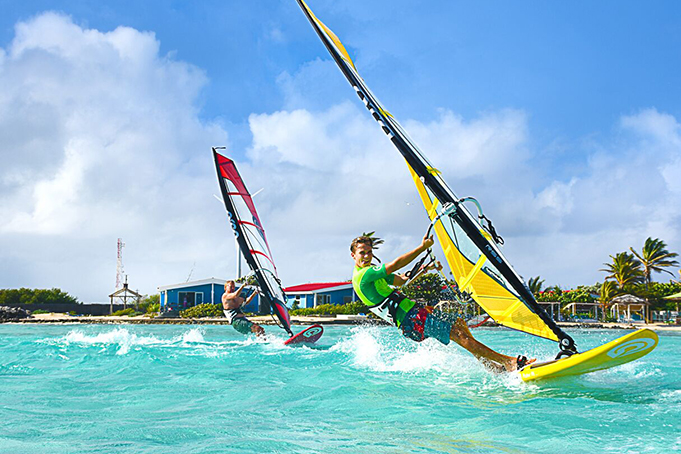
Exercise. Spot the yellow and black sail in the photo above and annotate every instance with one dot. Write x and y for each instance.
(476, 262)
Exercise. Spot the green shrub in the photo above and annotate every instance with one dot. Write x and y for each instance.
(40, 311)
(150, 301)
(549, 295)
(130, 312)
(203, 310)
(578, 295)
(356, 307)
(153, 307)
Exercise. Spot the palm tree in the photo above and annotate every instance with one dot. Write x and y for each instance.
(608, 291)
(625, 269)
(655, 257)
(535, 285)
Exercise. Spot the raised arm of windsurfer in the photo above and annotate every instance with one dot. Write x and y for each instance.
(373, 284)
(232, 302)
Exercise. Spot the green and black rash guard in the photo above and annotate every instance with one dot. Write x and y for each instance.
(371, 284)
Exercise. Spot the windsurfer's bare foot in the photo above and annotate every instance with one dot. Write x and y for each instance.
(514, 364)
(257, 330)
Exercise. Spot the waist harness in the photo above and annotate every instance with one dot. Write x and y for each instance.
(387, 309)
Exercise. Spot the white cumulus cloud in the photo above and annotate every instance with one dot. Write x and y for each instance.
(100, 139)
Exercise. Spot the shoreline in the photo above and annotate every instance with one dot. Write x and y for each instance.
(59, 318)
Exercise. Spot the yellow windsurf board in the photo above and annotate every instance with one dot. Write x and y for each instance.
(620, 351)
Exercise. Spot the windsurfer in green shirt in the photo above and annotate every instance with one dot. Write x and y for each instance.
(374, 286)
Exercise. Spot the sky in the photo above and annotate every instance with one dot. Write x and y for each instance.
(562, 119)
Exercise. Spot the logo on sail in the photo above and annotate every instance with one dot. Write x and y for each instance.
(631, 347)
(233, 223)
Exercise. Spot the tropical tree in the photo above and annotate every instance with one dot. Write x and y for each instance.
(535, 285)
(625, 269)
(608, 291)
(13, 297)
(655, 257)
(150, 303)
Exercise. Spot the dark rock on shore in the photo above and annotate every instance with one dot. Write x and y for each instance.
(12, 313)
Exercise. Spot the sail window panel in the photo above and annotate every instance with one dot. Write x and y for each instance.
(465, 255)
(470, 251)
(253, 231)
(486, 284)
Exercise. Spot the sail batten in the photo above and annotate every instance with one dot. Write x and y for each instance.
(495, 285)
(251, 238)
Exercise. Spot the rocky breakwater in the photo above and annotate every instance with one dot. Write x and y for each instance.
(8, 314)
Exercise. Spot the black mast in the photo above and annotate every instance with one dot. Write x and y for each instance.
(461, 216)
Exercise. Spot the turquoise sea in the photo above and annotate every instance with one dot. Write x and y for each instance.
(364, 389)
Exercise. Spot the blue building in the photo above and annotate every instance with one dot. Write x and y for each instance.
(179, 297)
(315, 294)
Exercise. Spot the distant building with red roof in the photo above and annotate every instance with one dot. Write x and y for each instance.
(316, 293)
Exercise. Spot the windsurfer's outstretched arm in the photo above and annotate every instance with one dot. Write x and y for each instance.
(405, 259)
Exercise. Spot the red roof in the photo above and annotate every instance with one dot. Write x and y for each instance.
(315, 286)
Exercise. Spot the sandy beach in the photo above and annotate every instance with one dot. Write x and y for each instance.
(62, 318)
(56, 317)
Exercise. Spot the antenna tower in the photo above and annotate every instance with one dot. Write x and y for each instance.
(119, 264)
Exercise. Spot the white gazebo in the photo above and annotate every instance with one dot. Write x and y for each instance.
(628, 304)
(122, 295)
(591, 308)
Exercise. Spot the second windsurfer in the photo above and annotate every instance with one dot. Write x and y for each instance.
(232, 302)
(374, 286)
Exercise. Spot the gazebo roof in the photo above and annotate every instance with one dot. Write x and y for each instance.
(675, 296)
(124, 292)
(628, 299)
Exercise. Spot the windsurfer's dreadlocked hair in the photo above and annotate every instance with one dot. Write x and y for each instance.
(367, 238)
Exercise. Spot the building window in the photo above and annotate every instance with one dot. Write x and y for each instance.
(296, 302)
(189, 299)
(322, 299)
(347, 299)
